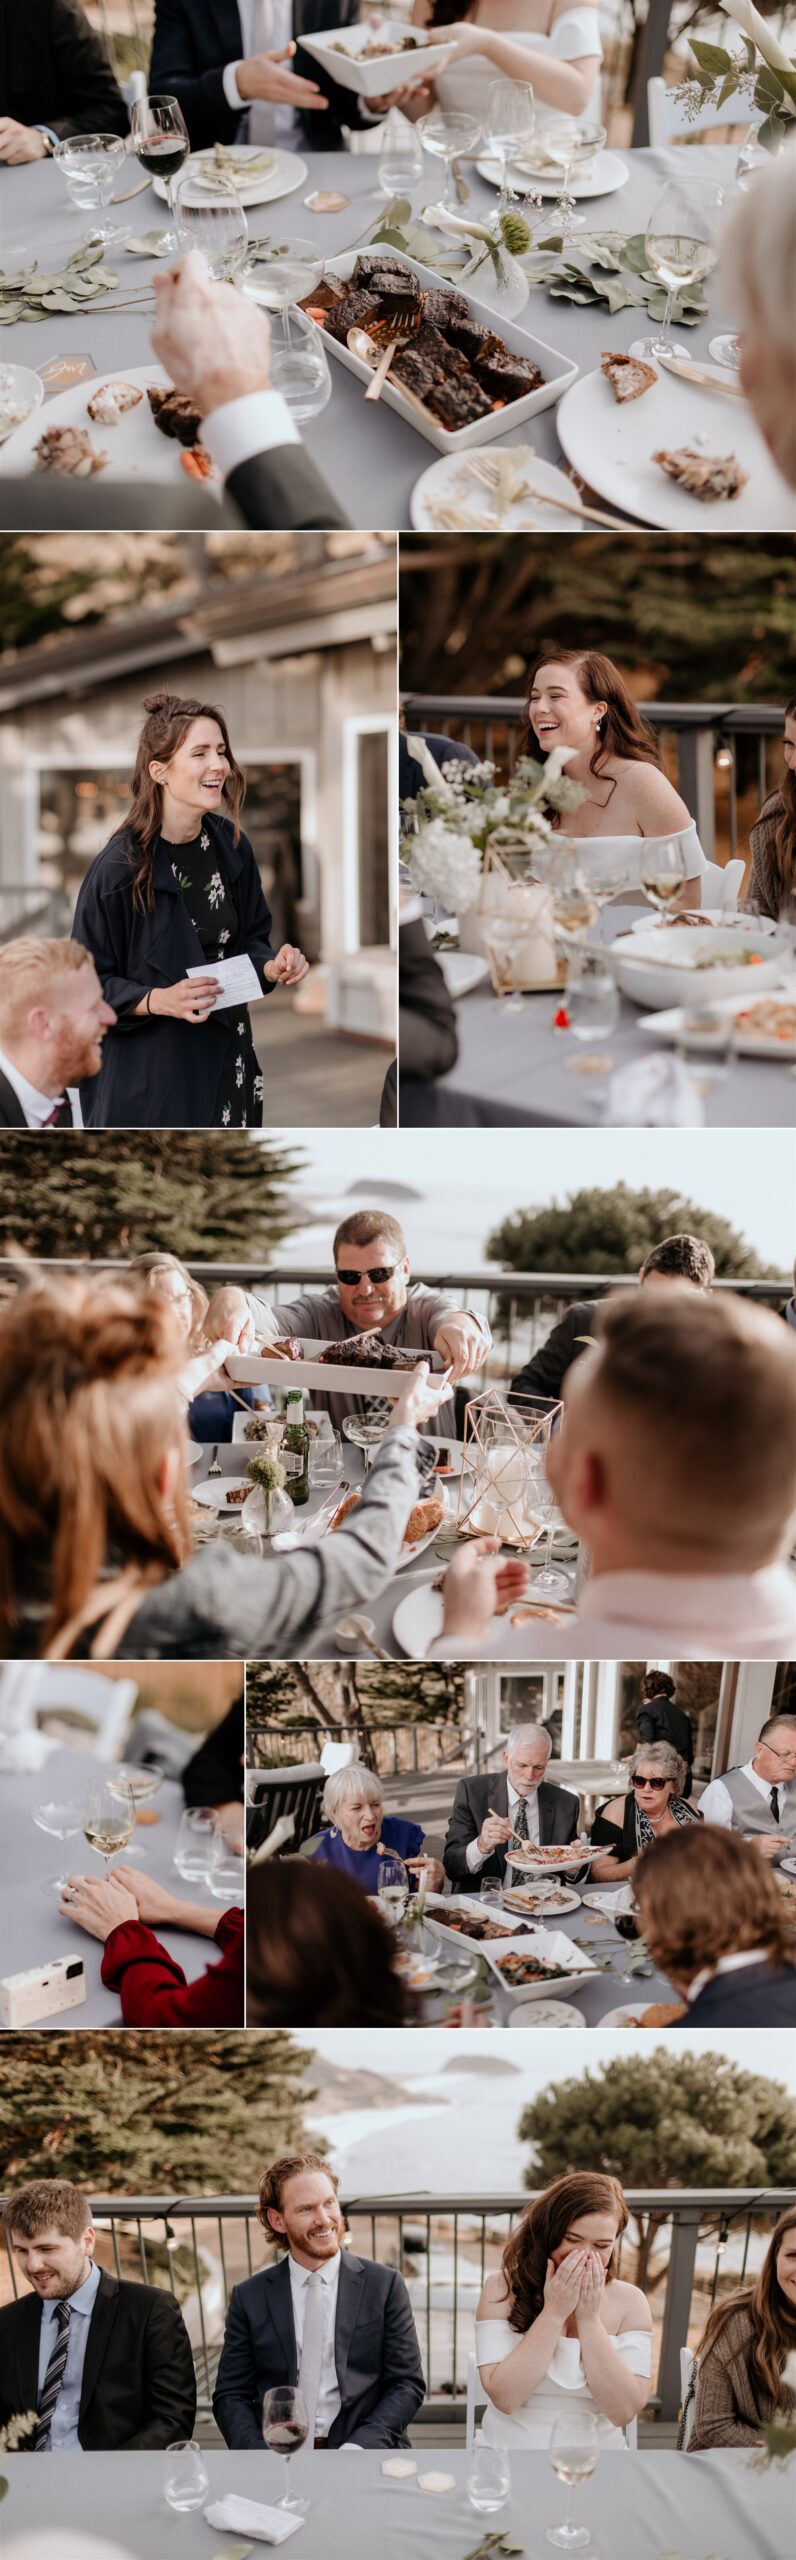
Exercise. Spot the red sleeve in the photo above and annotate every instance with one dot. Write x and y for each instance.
(152, 1986)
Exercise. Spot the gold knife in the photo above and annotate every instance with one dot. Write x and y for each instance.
(687, 372)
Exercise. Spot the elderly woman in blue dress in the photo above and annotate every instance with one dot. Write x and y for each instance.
(360, 1831)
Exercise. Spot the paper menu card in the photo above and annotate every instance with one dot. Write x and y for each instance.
(239, 981)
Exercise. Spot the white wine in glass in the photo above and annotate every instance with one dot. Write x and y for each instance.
(108, 1819)
(663, 874)
(681, 243)
(574, 2451)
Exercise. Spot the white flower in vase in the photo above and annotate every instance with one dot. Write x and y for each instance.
(445, 865)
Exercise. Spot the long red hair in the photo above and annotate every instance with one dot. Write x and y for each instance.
(623, 731)
(169, 716)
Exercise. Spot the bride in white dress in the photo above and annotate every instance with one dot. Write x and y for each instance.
(554, 45)
(578, 699)
(556, 2328)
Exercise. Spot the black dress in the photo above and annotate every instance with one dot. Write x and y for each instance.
(159, 1072)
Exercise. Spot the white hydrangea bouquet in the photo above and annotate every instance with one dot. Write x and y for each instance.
(471, 840)
(764, 75)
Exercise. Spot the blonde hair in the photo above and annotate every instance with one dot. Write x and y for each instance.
(89, 1408)
(151, 1267)
(28, 969)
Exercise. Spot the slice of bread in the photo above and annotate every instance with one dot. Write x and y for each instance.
(628, 376)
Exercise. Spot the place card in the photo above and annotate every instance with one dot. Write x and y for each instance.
(238, 980)
(326, 201)
(437, 2484)
(399, 2467)
(60, 372)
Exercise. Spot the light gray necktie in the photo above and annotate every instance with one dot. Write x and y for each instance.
(312, 2352)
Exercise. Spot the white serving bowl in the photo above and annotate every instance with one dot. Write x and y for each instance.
(659, 969)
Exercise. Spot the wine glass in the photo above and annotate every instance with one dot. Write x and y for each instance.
(285, 2430)
(63, 1822)
(195, 1845)
(489, 2480)
(605, 871)
(572, 147)
(574, 2451)
(186, 2483)
(592, 1002)
(226, 1874)
(447, 137)
(663, 872)
(542, 1506)
(108, 1818)
(400, 156)
(209, 217)
(281, 278)
(159, 136)
(91, 163)
(142, 1781)
(681, 246)
(393, 1888)
(508, 127)
(705, 1043)
(367, 1431)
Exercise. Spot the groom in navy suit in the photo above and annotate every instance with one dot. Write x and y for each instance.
(338, 2327)
(225, 61)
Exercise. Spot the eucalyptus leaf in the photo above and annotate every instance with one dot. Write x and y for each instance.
(59, 302)
(634, 254)
(728, 88)
(147, 244)
(235, 2551)
(711, 57)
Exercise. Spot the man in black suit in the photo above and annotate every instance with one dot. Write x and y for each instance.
(226, 62)
(216, 346)
(53, 1018)
(55, 78)
(680, 1257)
(339, 2327)
(515, 1800)
(106, 2365)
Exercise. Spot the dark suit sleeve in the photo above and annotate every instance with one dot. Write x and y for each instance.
(404, 2383)
(206, 109)
(322, 127)
(235, 2399)
(427, 1015)
(462, 1828)
(170, 2378)
(86, 87)
(544, 1375)
(215, 1774)
(570, 1806)
(283, 490)
(101, 923)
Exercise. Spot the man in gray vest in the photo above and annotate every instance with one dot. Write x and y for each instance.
(760, 1799)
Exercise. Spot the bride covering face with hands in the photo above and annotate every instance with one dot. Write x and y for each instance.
(178, 890)
(578, 700)
(557, 2329)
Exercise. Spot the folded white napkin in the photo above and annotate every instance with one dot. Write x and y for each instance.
(654, 1092)
(243, 2515)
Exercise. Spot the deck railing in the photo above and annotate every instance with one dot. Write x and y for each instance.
(394, 1748)
(682, 2245)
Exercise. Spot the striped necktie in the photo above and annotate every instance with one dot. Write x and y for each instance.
(52, 2380)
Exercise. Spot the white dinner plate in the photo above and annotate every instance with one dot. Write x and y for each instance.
(606, 1899)
(748, 1042)
(288, 173)
(789, 1865)
(611, 444)
(547, 2013)
(538, 1904)
(195, 1451)
(417, 1621)
(449, 480)
(632, 2009)
(136, 449)
(607, 174)
(409, 1555)
(214, 1493)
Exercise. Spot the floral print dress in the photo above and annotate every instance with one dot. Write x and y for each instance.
(207, 896)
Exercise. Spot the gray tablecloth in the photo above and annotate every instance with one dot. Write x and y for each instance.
(639, 2506)
(519, 1059)
(371, 457)
(32, 1930)
(614, 1989)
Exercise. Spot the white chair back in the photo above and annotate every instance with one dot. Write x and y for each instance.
(721, 883)
(107, 1705)
(476, 2397)
(337, 1755)
(667, 116)
(688, 2370)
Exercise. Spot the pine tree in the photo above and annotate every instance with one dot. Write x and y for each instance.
(209, 1195)
(164, 2111)
(301, 1697)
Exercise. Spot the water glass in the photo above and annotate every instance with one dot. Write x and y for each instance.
(705, 1044)
(196, 1842)
(489, 2480)
(209, 217)
(226, 1876)
(63, 1822)
(186, 2483)
(91, 163)
(591, 999)
(326, 1460)
(400, 156)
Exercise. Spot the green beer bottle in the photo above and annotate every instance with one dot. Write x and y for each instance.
(297, 1438)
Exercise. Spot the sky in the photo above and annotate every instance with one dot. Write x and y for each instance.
(417, 2053)
(469, 1179)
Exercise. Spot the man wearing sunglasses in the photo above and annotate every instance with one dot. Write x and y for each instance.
(372, 1293)
(759, 1799)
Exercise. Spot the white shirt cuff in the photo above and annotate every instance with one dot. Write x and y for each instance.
(253, 424)
(231, 90)
(475, 1857)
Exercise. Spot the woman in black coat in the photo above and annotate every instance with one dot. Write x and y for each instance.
(178, 888)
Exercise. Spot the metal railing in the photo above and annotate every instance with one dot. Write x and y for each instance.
(390, 1746)
(489, 723)
(682, 2245)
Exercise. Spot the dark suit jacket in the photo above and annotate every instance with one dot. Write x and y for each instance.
(158, 1073)
(215, 1774)
(12, 1115)
(139, 2386)
(428, 1043)
(559, 1813)
(54, 69)
(278, 491)
(753, 1996)
(376, 2353)
(444, 751)
(283, 490)
(193, 44)
(544, 1375)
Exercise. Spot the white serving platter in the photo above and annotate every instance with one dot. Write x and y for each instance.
(257, 1367)
(472, 1906)
(559, 371)
(288, 173)
(607, 174)
(339, 51)
(417, 1621)
(658, 970)
(136, 449)
(531, 1864)
(607, 1899)
(446, 483)
(551, 1946)
(611, 444)
(748, 1042)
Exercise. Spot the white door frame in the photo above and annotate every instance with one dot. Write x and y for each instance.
(355, 726)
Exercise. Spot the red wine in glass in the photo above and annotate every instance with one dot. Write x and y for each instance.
(162, 154)
(284, 2435)
(285, 2424)
(159, 136)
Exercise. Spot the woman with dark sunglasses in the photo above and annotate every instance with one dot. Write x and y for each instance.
(654, 1805)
